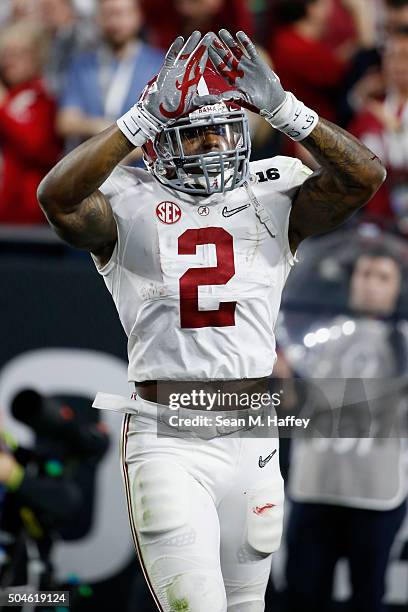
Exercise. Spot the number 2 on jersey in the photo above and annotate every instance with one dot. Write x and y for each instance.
(190, 315)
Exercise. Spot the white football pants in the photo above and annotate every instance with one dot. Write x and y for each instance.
(205, 517)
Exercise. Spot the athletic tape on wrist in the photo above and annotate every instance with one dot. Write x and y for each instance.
(138, 125)
(292, 118)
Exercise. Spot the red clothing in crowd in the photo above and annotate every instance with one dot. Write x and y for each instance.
(28, 149)
(309, 69)
(392, 148)
(164, 24)
(340, 27)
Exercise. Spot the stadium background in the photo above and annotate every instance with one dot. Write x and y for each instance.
(67, 70)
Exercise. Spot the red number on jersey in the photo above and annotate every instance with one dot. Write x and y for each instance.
(190, 315)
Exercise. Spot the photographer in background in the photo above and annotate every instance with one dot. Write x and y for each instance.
(349, 493)
(50, 487)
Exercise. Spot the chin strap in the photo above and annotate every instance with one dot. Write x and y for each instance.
(260, 210)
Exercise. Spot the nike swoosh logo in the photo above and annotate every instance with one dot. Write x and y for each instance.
(263, 462)
(233, 211)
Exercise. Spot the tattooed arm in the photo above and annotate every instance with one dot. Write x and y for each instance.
(349, 176)
(70, 198)
(69, 194)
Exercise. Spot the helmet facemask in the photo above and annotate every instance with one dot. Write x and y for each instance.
(204, 153)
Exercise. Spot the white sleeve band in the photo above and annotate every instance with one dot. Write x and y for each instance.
(292, 118)
(138, 125)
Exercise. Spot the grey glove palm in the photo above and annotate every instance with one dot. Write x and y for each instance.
(259, 88)
(174, 93)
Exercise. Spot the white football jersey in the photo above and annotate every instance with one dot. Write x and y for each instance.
(197, 282)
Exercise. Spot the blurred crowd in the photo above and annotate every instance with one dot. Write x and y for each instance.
(69, 68)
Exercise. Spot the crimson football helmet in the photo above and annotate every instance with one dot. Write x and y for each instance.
(206, 151)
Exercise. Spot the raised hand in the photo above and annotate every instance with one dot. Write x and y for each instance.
(174, 93)
(240, 64)
(258, 87)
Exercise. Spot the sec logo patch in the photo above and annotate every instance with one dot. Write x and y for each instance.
(168, 212)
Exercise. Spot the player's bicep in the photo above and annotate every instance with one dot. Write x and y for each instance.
(319, 206)
(91, 226)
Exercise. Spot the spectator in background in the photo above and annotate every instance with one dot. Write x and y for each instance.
(17, 9)
(85, 8)
(396, 16)
(301, 57)
(342, 31)
(23, 9)
(383, 126)
(68, 36)
(101, 84)
(28, 143)
(349, 493)
(167, 19)
(4, 12)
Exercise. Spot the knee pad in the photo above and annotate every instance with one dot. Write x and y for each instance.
(196, 592)
(160, 496)
(265, 516)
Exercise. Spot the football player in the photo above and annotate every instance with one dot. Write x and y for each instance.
(195, 252)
